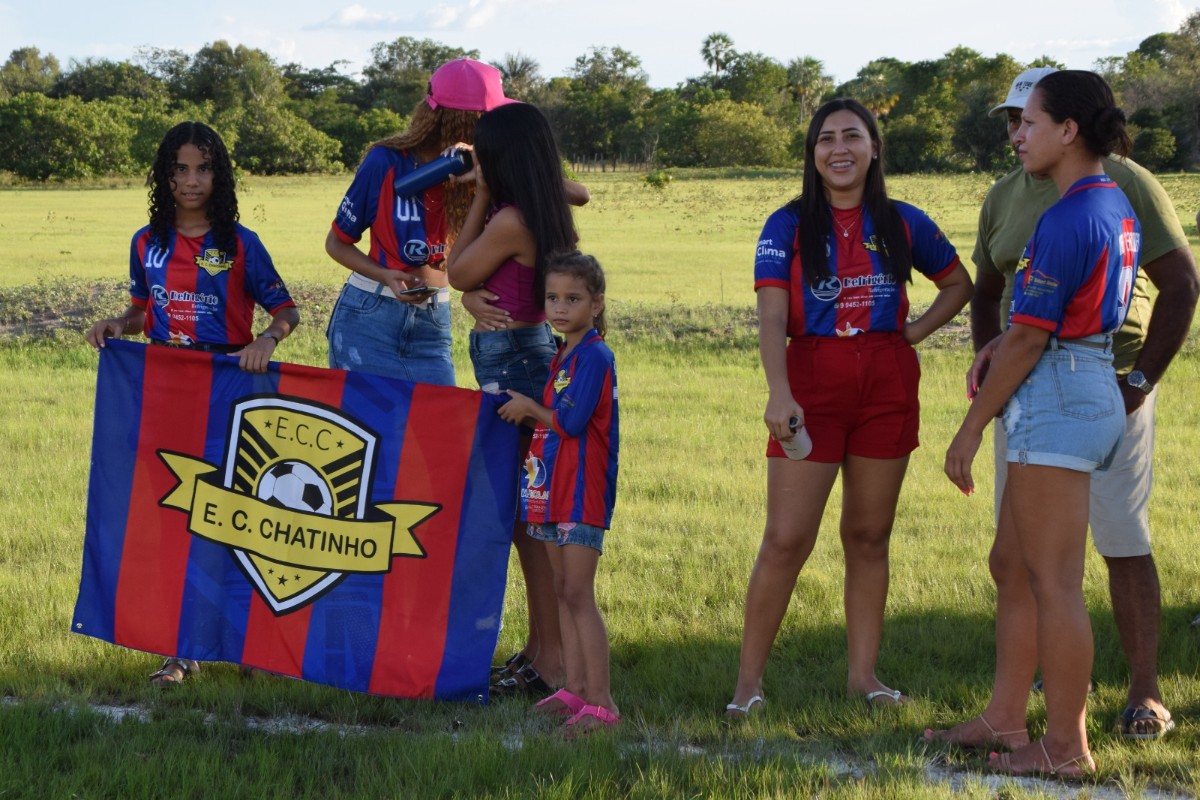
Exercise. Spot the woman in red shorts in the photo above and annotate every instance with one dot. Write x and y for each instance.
(837, 350)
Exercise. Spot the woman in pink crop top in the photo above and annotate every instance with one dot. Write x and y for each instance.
(512, 285)
(520, 215)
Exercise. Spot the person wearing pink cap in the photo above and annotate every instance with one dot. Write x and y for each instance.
(379, 324)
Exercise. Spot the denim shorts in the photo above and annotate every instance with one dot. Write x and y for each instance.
(568, 533)
(371, 332)
(1068, 411)
(1118, 508)
(517, 359)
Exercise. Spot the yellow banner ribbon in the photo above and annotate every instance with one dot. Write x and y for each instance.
(290, 536)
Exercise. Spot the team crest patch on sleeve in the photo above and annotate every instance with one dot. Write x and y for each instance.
(214, 261)
(561, 381)
(292, 502)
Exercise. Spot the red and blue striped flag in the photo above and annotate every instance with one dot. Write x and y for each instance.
(339, 527)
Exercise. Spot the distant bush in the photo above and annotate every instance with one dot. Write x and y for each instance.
(659, 179)
(1154, 148)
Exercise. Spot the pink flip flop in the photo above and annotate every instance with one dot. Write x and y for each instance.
(588, 719)
(571, 704)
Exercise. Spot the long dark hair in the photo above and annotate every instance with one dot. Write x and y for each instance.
(222, 210)
(812, 206)
(1084, 97)
(521, 167)
(587, 269)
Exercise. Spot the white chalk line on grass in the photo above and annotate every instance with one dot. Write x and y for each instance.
(293, 724)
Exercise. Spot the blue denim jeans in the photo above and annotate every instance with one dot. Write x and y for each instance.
(517, 359)
(370, 332)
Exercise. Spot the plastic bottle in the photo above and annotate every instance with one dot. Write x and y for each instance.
(799, 446)
(432, 173)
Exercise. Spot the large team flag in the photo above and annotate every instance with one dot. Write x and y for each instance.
(338, 527)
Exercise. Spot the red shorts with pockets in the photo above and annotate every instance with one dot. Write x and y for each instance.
(860, 395)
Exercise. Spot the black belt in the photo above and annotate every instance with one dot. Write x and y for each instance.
(204, 347)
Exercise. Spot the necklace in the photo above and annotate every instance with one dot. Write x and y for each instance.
(846, 228)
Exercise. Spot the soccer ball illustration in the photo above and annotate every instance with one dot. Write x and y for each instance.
(295, 485)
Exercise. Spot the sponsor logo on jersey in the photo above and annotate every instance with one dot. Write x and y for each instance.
(202, 298)
(214, 261)
(346, 210)
(161, 298)
(292, 500)
(767, 249)
(416, 251)
(1038, 284)
(868, 280)
(827, 289)
(535, 472)
(848, 331)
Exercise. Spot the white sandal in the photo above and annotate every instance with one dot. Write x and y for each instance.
(894, 695)
(733, 710)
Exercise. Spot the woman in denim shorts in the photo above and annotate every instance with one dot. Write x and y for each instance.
(393, 315)
(1051, 374)
(520, 215)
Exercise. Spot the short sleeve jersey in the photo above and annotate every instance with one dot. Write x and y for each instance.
(1012, 208)
(196, 292)
(1076, 278)
(861, 295)
(406, 232)
(571, 472)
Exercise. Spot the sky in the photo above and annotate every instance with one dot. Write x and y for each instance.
(665, 34)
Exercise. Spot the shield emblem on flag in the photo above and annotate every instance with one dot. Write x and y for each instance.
(303, 457)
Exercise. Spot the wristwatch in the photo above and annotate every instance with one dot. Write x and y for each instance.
(270, 335)
(1137, 380)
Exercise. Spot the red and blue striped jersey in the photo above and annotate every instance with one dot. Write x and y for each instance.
(195, 292)
(1077, 273)
(406, 232)
(571, 472)
(860, 296)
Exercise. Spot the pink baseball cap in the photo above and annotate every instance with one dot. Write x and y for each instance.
(467, 85)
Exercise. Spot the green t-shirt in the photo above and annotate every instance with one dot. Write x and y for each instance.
(1015, 203)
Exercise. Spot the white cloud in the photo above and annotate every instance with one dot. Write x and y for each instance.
(481, 13)
(469, 15)
(1171, 14)
(357, 17)
(442, 16)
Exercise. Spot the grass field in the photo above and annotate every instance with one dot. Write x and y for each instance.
(687, 527)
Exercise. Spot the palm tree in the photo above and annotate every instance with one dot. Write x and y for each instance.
(521, 75)
(717, 51)
(808, 83)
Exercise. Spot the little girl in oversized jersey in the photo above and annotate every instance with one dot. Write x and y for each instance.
(570, 479)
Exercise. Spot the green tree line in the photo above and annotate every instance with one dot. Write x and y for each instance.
(101, 117)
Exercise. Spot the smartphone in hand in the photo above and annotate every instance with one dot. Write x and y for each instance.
(418, 291)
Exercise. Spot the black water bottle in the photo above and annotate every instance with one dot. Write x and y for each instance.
(432, 173)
